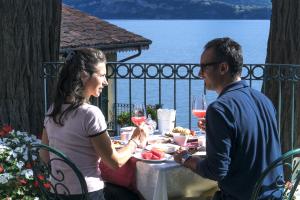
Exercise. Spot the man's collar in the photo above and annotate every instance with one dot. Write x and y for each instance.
(234, 86)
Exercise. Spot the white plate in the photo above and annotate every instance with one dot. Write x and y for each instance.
(138, 155)
(167, 148)
(200, 153)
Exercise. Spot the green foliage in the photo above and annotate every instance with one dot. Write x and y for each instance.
(124, 119)
(152, 110)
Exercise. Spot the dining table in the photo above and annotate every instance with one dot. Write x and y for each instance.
(159, 179)
(167, 180)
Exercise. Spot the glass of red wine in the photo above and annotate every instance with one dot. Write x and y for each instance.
(139, 114)
(199, 106)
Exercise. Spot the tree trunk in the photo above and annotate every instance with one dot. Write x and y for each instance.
(284, 48)
(30, 31)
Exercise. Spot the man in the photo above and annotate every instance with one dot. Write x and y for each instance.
(241, 128)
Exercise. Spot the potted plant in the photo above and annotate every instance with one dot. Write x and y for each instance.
(123, 119)
(152, 110)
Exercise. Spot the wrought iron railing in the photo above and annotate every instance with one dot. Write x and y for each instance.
(173, 85)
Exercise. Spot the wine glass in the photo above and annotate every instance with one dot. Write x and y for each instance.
(199, 107)
(138, 114)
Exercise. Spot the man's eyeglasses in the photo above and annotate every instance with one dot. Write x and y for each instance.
(203, 66)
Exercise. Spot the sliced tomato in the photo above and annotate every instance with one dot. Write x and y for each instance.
(158, 153)
(147, 155)
(154, 157)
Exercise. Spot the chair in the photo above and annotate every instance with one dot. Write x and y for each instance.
(289, 162)
(50, 183)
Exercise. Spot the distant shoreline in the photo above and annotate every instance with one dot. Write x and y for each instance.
(186, 19)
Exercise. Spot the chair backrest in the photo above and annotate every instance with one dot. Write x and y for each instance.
(52, 183)
(290, 162)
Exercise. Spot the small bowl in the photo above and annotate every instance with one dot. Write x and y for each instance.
(180, 139)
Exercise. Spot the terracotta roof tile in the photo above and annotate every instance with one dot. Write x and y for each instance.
(79, 29)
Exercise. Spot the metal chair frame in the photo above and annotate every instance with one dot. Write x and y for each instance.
(292, 175)
(42, 173)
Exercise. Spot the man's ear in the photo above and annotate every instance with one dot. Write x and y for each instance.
(84, 76)
(224, 68)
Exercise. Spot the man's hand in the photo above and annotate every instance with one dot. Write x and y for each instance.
(190, 162)
(178, 155)
(201, 124)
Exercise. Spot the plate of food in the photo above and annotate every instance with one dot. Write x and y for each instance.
(164, 147)
(153, 155)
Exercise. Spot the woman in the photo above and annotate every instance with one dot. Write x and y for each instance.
(78, 129)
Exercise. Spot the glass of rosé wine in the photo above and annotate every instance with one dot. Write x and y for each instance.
(199, 107)
(139, 114)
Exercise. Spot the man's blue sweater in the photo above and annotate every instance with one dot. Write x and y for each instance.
(242, 140)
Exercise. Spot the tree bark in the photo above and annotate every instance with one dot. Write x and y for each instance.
(30, 32)
(284, 48)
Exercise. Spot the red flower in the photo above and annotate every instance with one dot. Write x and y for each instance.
(1, 169)
(41, 177)
(23, 181)
(47, 185)
(2, 133)
(36, 184)
(7, 128)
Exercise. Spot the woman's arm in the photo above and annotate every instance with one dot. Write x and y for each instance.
(115, 159)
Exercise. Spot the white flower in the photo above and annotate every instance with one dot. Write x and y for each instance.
(7, 158)
(33, 137)
(3, 148)
(20, 164)
(14, 154)
(36, 198)
(5, 177)
(19, 150)
(27, 138)
(28, 173)
(25, 156)
(34, 157)
(15, 140)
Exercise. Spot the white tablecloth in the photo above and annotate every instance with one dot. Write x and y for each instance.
(160, 181)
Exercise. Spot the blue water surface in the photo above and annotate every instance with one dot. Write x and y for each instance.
(182, 41)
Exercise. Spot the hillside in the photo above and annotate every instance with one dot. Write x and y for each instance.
(174, 9)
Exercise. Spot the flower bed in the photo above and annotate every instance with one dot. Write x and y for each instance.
(16, 175)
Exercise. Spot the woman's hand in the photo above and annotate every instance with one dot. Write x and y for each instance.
(141, 134)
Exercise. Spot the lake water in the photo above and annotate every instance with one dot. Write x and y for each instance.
(182, 41)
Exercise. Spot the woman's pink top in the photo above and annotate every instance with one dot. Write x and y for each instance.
(74, 140)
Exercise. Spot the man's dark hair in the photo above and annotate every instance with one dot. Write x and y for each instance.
(229, 51)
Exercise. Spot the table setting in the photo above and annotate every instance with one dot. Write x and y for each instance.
(152, 171)
(167, 144)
